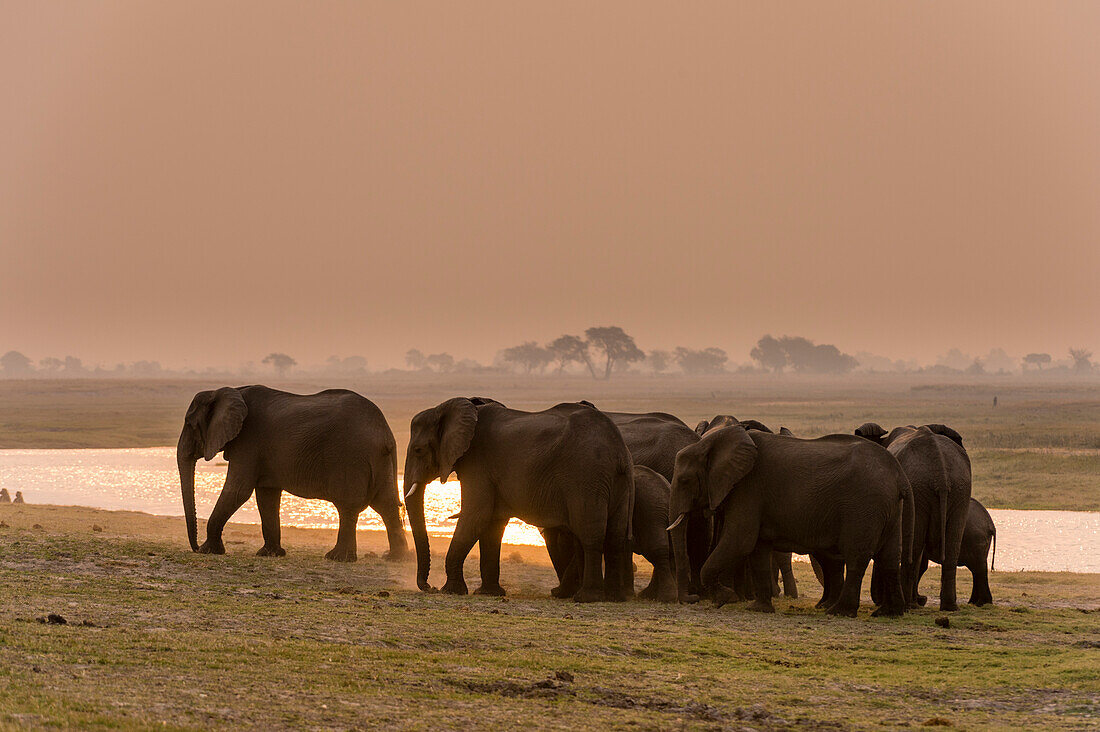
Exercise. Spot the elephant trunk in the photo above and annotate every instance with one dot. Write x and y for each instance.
(185, 461)
(414, 507)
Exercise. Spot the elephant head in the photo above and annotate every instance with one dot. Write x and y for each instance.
(440, 436)
(725, 420)
(872, 431)
(212, 421)
(705, 475)
(785, 432)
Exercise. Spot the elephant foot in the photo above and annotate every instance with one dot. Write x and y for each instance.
(211, 547)
(561, 593)
(793, 594)
(842, 610)
(340, 554)
(761, 606)
(271, 551)
(649, 593)
(722, 595)
(888, 612)
(666, 594)
(980, 601)
(687, 598)
(490, 590)
(588, 595)
(397, 555)
(455, 587)
(948, 607)
(921, 600)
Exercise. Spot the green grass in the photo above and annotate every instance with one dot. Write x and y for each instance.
(201, 641)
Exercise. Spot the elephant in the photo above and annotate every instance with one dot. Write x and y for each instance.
(741, 582)
(650, 539)
(938, 468)
(334, 445)
(979, 533)
(562, 468)
(5, 497)
(18, 497)
(835, 497)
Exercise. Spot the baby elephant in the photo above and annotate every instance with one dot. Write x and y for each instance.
(333, 445)
(649, 520)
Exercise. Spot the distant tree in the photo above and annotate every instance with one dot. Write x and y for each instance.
(997, 361)
(568, 349)
(529, 356)
(618, 348)
(769, 354)
(977, 368)
(281, 362)
(1036, 359)
(659, 361)
(73, 365)
(441, 362)
(15, 363)
(415, 359)
(146, 368)
(50, 365)
(955, 359)
(349, 364)
(1081, 360)
(708, 361)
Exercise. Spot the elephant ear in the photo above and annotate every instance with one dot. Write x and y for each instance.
(457, 420)
(731, 455)
(785, 432)
(942, 429)
(702, 427)
(752, 424)
(225, 417)
(871, 431)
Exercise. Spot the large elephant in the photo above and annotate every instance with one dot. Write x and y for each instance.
(562, 468)
(741, 582)
(835, 497)
(333, 445)
(979, 534)
(938, 468)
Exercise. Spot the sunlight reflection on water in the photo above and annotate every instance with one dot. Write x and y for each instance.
(145, 479)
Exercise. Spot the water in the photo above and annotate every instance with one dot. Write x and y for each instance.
(145, 479)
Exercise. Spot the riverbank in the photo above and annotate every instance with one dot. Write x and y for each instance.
(1038, 449)
(157, 634)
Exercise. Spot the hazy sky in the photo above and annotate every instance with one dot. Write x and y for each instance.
(208, 182)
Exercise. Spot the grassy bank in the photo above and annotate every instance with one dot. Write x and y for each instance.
(1039, 448)
(156, 635)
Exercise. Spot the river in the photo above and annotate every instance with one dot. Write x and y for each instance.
(145, 479)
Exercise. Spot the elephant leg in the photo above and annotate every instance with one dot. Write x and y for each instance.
(574, 570)
(760, 564)
(980, 594)
(790, 586)
(922, 568)
(773, 575)
(855, 566)
(618, 571)
(466, 535)
(662, 585)
(887, 576)
(390, 513)
(700, 534)
(818, 573)
(489, 546)
(592, 581)
(832, 579)
(344, 551)
(238, 487)
(956, 524)
(729, 555)
(267, 502)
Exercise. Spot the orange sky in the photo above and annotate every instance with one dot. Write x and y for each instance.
(205, 182)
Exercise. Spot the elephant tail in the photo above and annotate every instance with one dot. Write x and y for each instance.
(993, 559)
(908, 520)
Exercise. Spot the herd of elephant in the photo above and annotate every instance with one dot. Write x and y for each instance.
(717, 510)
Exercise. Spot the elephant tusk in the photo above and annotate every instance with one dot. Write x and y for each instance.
(412, 489)
(677, 521)
(452, 518)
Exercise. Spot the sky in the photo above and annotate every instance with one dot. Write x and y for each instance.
(202, 183)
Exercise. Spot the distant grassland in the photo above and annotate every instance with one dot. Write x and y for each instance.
(1039, 448)
(157, 636)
